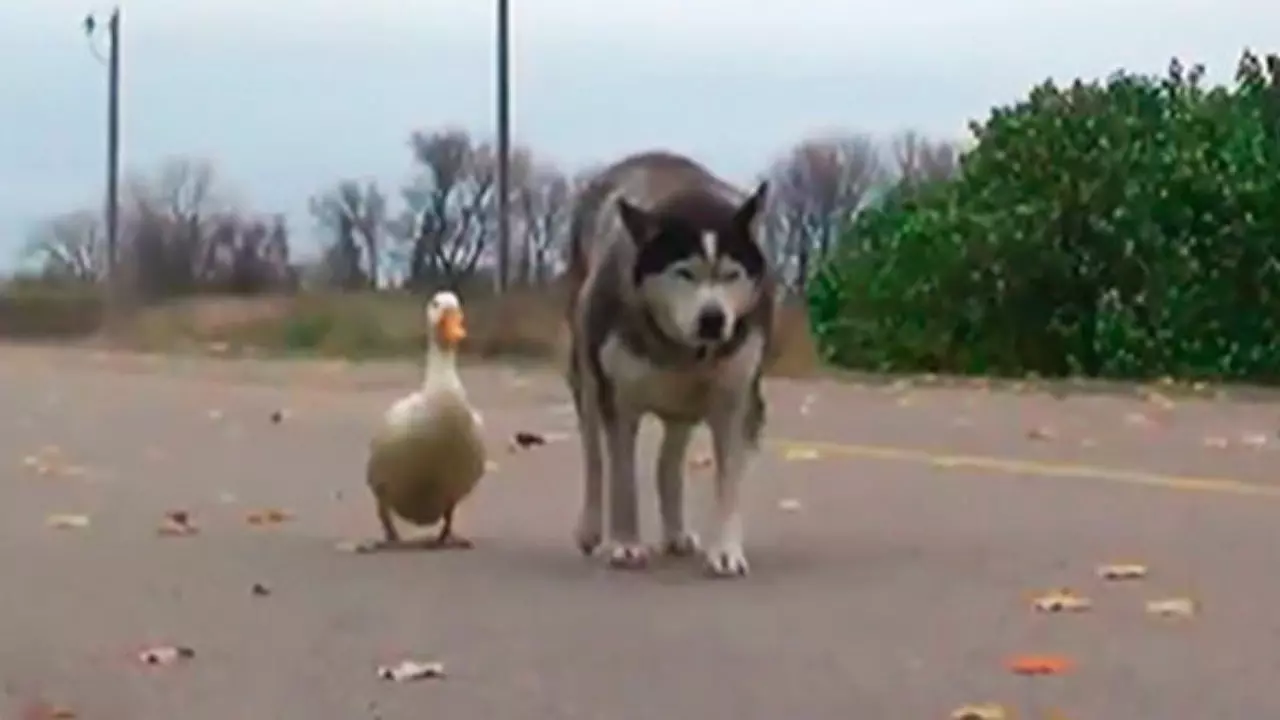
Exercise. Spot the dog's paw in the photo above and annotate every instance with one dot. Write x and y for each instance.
(727, 561)
(588, 534)
(681, 544)
(628, 556)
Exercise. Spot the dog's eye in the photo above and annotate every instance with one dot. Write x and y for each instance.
(684, 274)
(731, 275)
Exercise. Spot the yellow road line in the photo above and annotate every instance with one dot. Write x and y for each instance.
(1223, 486)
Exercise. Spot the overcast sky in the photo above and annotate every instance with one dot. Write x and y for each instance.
(289, 96)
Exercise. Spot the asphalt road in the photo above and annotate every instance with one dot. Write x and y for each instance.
(897, 536)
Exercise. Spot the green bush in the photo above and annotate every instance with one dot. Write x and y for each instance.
(1126, 228)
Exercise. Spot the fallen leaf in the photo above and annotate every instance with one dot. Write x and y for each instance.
(269, 516)
(525, 439)
(789, 505)
(1129, 571)
(1063, 600)
(1088, 443)
(165, 654)
(1253, 440)
(1039, 664)
(1138, 419)
(801, 453)
(1216, 442)
(278, 416)
(806, 406)
(490, 466)
(1173, 607)
(352, 546)
(260, 590)
(215, 414)
(906, 401)
(67, 522)
(45, 711)
(177, 523)
(1043, 432)
(985, 711)
(408, 670)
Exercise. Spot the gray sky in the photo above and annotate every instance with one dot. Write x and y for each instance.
(289, 96)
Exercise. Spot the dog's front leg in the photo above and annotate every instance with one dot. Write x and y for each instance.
(590, 530)
(731, 441)
(676, 538)
(626, 552)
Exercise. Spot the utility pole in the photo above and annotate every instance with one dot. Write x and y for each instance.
(113, 144)
(504, 142)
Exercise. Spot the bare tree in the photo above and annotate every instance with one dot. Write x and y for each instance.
(543, 204)
(168, 217)
(449, 206)
(359, 210)
(918, 159)
(819, 185)
(69, 247)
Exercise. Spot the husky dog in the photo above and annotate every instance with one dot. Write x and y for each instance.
(671, 313)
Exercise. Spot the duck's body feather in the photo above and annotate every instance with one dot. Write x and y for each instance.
(428, 456)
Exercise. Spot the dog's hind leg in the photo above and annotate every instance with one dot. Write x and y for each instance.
(732, 438)
(590, 531)
(620, 432)
(676, 538)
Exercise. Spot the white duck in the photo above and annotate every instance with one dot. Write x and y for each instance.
(429, 453)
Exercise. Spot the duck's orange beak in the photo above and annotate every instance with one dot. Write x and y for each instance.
(451, 329)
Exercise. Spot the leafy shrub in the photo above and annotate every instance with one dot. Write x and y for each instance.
(1126, 228)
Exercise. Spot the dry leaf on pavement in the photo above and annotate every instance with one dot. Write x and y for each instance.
(1138, 419)
(1039, 664)
(789, 505)
(1043, 432)
(165, 654)
(1063, 600)
(801, 453)
(177, 523)
(1253, 440)
(45, 711)
(1216, 442)
(64, 521)
(408, 670)
(268, 516)
(524, 440)
(1129, 571)
(1173, 608)
(985, 711)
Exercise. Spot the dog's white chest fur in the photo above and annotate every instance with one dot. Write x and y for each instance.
(685, 394)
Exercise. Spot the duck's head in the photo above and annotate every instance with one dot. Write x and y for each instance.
(445, 326)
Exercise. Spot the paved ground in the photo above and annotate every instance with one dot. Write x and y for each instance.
(898, 589)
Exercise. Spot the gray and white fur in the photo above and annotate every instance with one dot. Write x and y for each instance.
(671, 314)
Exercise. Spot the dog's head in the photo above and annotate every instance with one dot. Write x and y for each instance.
(698, 267)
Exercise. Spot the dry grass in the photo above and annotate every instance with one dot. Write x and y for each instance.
(524, 324)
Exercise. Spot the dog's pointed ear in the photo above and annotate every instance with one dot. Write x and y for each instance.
(641, 224)
(750, 208)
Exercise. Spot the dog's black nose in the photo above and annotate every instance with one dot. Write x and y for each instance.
(710, 324)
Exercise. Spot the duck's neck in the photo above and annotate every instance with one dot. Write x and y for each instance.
(441, 373)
